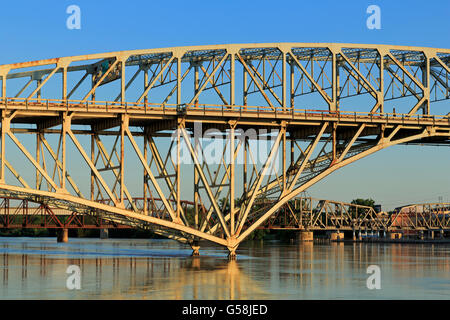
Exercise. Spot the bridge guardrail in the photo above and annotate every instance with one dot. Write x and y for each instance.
(207, 109)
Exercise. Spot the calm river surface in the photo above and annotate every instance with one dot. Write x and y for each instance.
(35, 268)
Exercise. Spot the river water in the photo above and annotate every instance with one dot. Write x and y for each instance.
(35, 268)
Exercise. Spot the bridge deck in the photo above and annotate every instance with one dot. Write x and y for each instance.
(93, 109)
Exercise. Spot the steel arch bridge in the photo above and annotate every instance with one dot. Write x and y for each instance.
(309, 109)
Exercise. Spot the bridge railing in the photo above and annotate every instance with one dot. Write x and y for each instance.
(207, 109)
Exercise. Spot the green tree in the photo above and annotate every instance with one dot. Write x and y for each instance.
(361, 202)
(364, 202)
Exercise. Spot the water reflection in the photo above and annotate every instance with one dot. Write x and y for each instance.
(155, 269)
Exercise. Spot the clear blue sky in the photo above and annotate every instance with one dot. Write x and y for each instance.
(31, 30)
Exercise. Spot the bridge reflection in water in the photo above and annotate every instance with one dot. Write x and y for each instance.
(40, 270)
(120, 269)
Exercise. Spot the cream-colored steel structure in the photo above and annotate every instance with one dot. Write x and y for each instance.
(138, 98)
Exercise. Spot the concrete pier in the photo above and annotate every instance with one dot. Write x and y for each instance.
(305, 236)
(62, 235)
(394, 235)
(336, 236)
(104, 233)
(195, 251)
(232, 254)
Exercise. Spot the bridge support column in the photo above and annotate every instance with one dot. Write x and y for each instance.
(305, 236)
(195, 251)
(195, 248)
(431, 235)
(442, 234)
(232, 254)
(62, 235)
(394, 235)
(104, 233)
(336, 236)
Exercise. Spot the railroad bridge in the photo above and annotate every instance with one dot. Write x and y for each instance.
(222, 126)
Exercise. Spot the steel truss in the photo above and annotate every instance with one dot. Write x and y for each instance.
(306, 213)
(427, 216)
(24, 213)
(141, 108)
